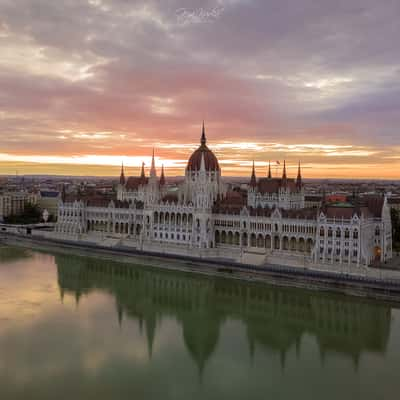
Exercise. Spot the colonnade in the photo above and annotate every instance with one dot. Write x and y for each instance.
(269, 242)
(117, 227)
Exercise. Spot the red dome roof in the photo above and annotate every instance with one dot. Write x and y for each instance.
(210, 160)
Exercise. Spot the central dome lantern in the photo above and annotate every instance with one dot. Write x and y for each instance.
(210, 160)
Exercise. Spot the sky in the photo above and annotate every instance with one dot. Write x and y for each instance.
(87, 85)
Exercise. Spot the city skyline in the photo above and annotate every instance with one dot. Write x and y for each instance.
(86, 86)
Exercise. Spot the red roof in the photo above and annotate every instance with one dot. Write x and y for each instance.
(375, 204)
(267, 185)
(232, 203)
(339, 212)
(92, 199)
(134, 182)
(302, 213)
(368, 206)
(333, 198)
(210, 160)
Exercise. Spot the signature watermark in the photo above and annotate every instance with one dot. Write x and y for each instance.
(198, 16)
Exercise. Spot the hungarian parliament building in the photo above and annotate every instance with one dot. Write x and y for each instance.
(265, 223)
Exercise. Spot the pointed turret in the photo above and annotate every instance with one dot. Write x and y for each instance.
(203, 139)
(253, 180)
(284, 176)
(162, 177)
(153, 172)
(122, 175)
(142, 174)
(269, 170)
(299, 180)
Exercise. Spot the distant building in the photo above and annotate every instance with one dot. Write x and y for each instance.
(336, 198)
(13, 203)
(312, 201)
(48, 200)
(394, 202)
(269, 222)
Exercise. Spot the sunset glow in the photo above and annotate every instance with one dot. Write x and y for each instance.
(87, 85)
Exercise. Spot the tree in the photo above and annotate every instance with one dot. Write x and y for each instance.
(30, 215)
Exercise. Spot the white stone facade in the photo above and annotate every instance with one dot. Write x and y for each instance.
(203, 218)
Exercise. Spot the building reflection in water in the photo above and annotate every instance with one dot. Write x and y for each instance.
(275, 319)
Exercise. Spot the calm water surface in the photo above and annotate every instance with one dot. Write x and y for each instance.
(83, 328)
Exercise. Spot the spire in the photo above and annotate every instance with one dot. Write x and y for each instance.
(142, 174)
(299, 180)
(153, 172)
(269, 170)
(162, 177)
(284, 177)
(203, 139)
(122, 175)
(253, 180)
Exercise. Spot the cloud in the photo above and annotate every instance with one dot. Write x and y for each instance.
(256, 71)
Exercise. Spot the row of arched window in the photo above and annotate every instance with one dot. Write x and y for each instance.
(346, 233)
(172, 218)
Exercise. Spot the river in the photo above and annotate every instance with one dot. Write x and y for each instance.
(74, 327)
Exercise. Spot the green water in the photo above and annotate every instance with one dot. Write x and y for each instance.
(82, 328)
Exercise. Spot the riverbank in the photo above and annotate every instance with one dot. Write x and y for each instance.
(347, 284)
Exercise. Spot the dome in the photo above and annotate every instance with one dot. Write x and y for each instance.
(210, 160)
